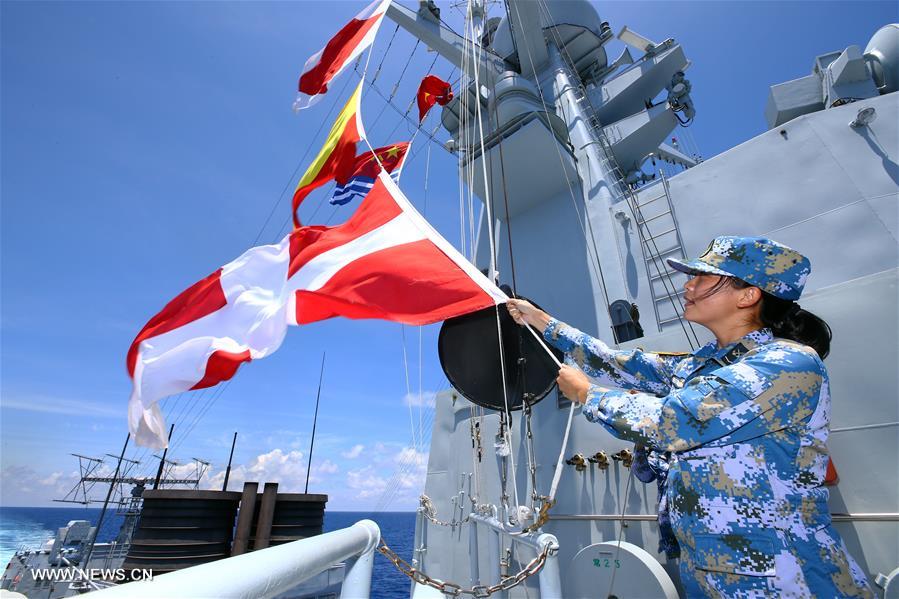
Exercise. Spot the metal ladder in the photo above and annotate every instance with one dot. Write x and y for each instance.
(654, 258)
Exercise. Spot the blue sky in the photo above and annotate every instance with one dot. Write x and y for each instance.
(145, 144)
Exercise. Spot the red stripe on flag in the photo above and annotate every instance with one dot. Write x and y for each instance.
(221, 366)
(315, 80)
(414, 283)
(341, 160)
(200, 299)
(306, 243)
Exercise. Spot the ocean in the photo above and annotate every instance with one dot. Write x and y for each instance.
(30, 527)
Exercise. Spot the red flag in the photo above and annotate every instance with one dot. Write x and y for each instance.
(385, 262)
(366, 165)
(357, 182)
(338, 53)
(338, 155)
(433, 90)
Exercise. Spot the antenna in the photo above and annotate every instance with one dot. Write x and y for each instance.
(230, 457)
(314, 421)
(201, 467)
(162, 460)
(90, 549)
(87, 466)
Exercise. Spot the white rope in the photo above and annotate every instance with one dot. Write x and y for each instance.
(490, 224)
(408, 388)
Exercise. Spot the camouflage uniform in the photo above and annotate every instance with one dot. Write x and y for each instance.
(746, 427)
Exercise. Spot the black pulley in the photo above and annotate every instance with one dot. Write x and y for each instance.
(470, 357)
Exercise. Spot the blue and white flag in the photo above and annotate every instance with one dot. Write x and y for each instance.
(365, 171)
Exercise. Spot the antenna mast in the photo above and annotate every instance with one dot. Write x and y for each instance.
(314, 421)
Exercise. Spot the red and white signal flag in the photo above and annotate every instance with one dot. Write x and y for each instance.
(338, 53)
(385, 262)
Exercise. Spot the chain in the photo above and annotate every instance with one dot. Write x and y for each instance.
(455, 590)
(430, 512)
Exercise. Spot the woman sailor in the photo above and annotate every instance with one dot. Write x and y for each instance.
(744, 419)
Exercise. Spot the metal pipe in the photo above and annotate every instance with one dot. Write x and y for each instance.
(230, 457)
(416, 545)
(90, 549)
(267, 572)
(493, 550)
(549, 578)
(318, 396)
(473, 552)
(165, 452)
(474, 568)
(357, 581)
(836, 517)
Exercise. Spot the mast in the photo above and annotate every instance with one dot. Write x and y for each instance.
(314, 421)
(90, 549)
(230, 457)
(162, 459)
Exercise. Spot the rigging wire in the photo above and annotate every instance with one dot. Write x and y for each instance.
(584, 228)
(666, 279)
(408, 388)
(488, 202)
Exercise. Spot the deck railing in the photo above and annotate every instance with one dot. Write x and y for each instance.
(268, 572)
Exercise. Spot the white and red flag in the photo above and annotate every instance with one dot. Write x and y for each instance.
(338, 53)
(385, 262)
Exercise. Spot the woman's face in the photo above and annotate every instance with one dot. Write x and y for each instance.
(704, 309)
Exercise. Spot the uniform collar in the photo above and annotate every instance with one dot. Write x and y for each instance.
(748, 342)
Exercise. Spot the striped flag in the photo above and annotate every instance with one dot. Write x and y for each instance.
(385, 262)
(338, 53)
(362, 178)
(338, 155)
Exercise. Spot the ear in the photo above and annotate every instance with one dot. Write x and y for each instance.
(749, 297)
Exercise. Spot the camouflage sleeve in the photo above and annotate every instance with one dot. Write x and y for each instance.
(627, 369)
(768, 390)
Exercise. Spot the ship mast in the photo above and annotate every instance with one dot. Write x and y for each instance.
(563, 129)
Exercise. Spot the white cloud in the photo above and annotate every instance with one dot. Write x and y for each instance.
(59, 405)
(353, 453)
(326, 467)
(21, 485)
(366, 483)
(426, 399)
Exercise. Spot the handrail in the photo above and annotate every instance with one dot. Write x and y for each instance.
(268, 572)
(549, 579)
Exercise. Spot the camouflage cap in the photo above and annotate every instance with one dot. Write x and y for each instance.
(766, 264)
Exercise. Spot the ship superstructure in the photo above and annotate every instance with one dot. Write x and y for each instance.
(564, 136)
(555, 136)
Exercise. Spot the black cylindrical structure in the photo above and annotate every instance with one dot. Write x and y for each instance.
(469, 354)
(297, 516)
(181, 528)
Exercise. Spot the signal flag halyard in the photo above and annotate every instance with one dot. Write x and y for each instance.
(385, 262)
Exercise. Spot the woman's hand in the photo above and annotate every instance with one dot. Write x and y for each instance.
(524, 312)
(573, 384)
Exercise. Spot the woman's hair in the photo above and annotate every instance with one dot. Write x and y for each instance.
(785, 318)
